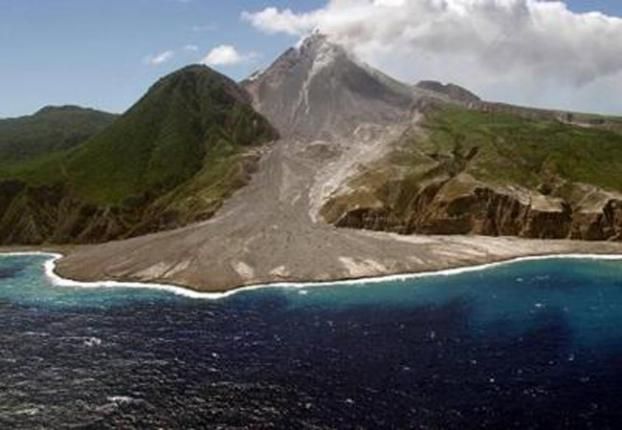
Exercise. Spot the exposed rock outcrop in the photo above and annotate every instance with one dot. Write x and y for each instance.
(452, 91)
(462, 205)
(598, 215)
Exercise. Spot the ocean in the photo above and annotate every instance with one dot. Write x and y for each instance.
(529, 344)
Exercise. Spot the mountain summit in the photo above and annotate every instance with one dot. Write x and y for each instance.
(319, 89)
(168, 136)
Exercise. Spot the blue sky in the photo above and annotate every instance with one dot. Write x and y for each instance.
(96, 52)
(611, 7)
(92, 52)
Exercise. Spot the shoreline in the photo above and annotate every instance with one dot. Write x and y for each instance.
(58, 281)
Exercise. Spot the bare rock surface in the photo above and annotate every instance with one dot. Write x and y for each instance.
(319, 91)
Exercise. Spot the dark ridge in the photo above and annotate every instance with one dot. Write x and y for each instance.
(454, 92)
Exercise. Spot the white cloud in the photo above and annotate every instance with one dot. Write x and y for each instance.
(526, 51)
(395, 3)
(226, 55)
(191, 48)
(161, 58)
(271, 20)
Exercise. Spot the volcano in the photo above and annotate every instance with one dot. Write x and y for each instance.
(369, 176)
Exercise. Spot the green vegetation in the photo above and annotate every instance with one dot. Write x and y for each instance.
(171, 159)
(508, 149)
(226, 169)
(166, 138)
(50, 129)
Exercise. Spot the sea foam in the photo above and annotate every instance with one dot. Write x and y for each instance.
(56, 280)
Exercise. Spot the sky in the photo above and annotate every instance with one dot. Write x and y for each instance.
(106, 53)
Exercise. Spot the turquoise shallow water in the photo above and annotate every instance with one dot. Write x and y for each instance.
(534, 344)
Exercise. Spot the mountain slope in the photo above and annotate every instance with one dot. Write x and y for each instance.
(434, 158)
(171, 159)
(341, 111)
(167, 137)
(320, 90)
(468, 171)
(48, 130)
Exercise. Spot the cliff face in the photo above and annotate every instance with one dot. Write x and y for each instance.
(471, 172)
(462, 205)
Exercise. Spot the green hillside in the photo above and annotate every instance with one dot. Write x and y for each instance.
(171, 159)
(50, 129)
(509, 149)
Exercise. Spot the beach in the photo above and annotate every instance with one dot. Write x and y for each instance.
(561, 250)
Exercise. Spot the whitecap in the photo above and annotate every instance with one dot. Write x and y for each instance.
(92, 341)
(120, 399)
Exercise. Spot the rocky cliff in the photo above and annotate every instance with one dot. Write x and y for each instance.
(463, 205)
(476, 172)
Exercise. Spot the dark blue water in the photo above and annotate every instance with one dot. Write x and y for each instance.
(526, 345)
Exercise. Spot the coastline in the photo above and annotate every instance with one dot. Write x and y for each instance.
(268, 232)
(59, 281)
